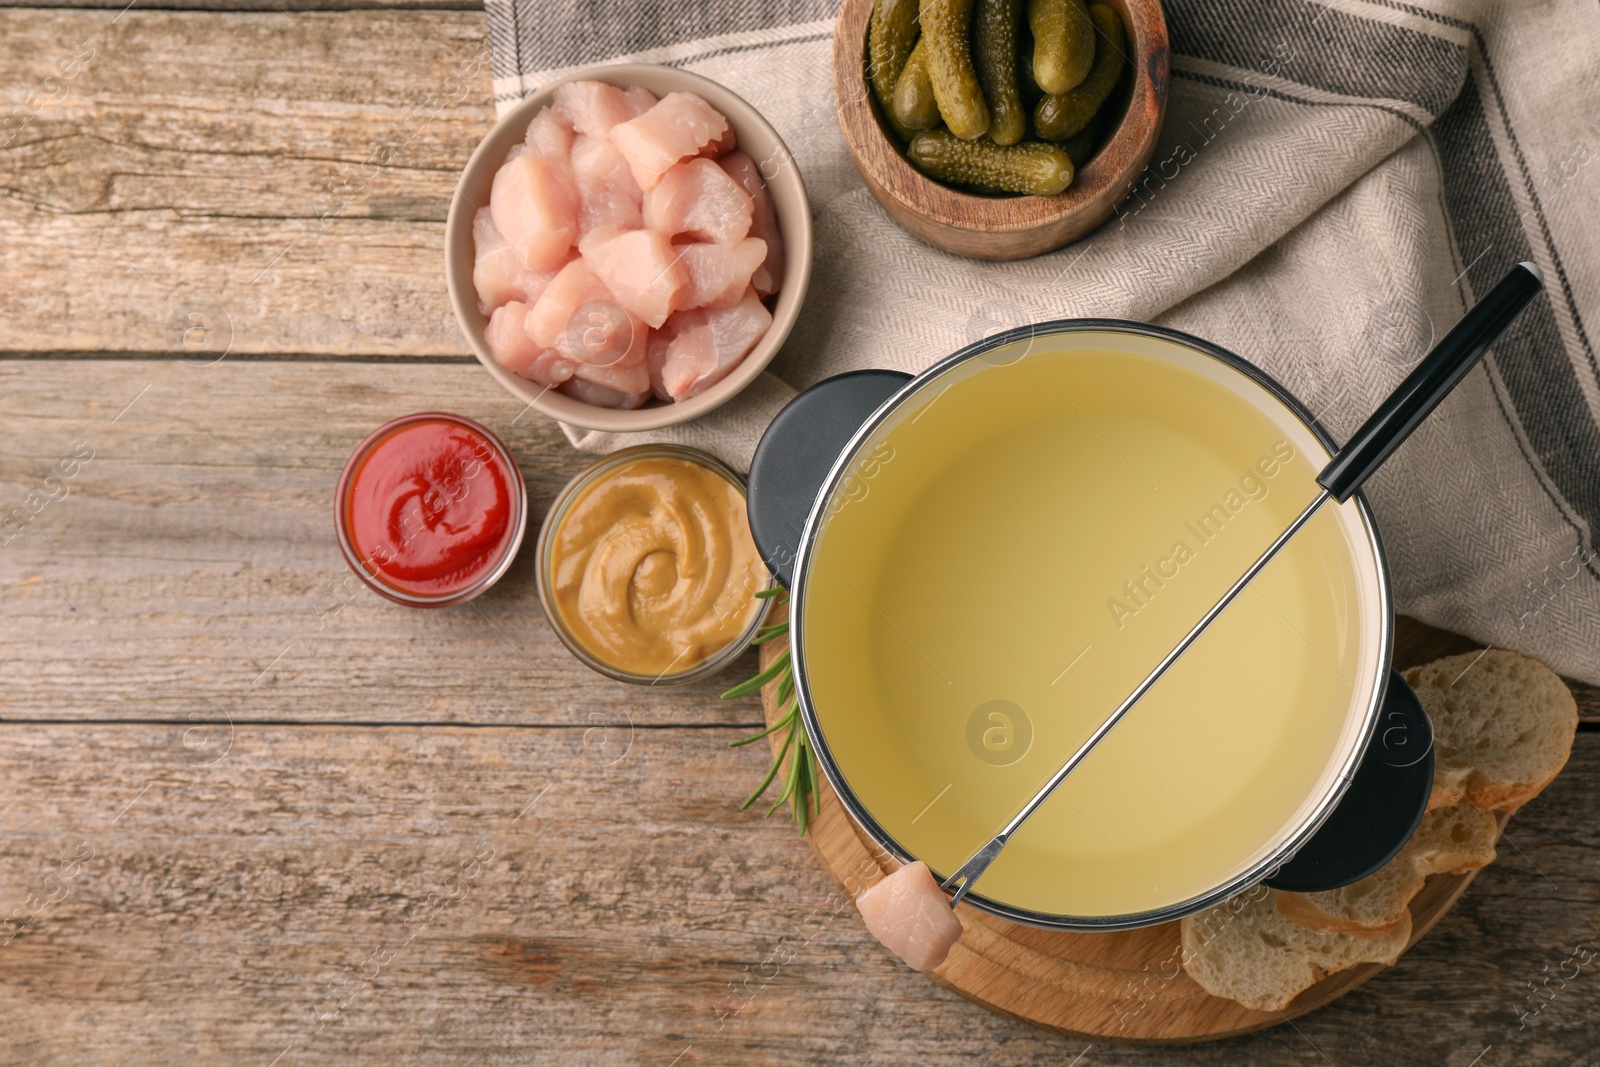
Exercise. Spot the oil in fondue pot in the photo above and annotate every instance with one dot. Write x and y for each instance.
(1014, 548)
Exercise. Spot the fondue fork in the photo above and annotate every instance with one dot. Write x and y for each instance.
(1388, 427)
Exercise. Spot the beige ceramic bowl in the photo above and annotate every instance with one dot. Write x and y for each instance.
(784, 184)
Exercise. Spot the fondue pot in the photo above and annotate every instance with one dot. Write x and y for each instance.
(985, 557)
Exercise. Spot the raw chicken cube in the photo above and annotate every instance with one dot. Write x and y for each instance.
(499, 274)
(550, 368)
(698, 198)
(601, 396)
(534, 204)
(629, 376)
(690, 348)
(722, 146)
(719, 274)
(579, 318)
(707, 344)
(607, 193)
(681, 125)
(910, 915)
(763, 223)
(641, 99)
(592, 107)
(741, 324)
(557, 307)
(549, 135)
(514, 350)
(641, 269)
(507, 339)
(601, 333)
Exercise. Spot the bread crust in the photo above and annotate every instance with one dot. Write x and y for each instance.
(1301, 910)
(1503, 726)
(1452, 840)
(1253, 955)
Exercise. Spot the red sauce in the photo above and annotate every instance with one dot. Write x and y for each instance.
(429, 507)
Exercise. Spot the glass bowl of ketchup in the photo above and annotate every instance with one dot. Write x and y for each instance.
(430, 510)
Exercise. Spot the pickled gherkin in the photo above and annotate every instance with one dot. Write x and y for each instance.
(997, 96)
(914, 106)
(1061, 115)
(1080, 146)
(1031, 167)
(1031, 93)
(945, 25)
(1063, 43)
(994, 46)
(891, 35)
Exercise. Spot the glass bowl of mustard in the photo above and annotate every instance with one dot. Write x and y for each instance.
(647, 569)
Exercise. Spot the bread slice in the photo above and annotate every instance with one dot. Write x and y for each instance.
(1456, 839)
(1251, 953)
(1503, 726)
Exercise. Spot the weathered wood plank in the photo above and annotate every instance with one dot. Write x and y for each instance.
(496, 895)
(191, 567)
(286, 172)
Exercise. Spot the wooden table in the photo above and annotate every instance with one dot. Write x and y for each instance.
(253, 814)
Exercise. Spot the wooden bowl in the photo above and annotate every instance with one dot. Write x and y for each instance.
(996, 227)
(784, 185)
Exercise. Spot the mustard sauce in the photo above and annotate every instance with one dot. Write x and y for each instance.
(653, 567)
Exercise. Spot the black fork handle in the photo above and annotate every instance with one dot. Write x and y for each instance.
(1423, 390)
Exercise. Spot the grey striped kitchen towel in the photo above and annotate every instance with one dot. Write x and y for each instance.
(1337, 179)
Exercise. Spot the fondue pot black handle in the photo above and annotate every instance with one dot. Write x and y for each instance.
(798, 450)
(1380, 809)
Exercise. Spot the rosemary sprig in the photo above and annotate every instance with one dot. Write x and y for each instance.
(802, 775)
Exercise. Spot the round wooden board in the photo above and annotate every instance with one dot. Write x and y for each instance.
(1123, 986)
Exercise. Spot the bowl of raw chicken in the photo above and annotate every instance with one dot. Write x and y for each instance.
(628, 248)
